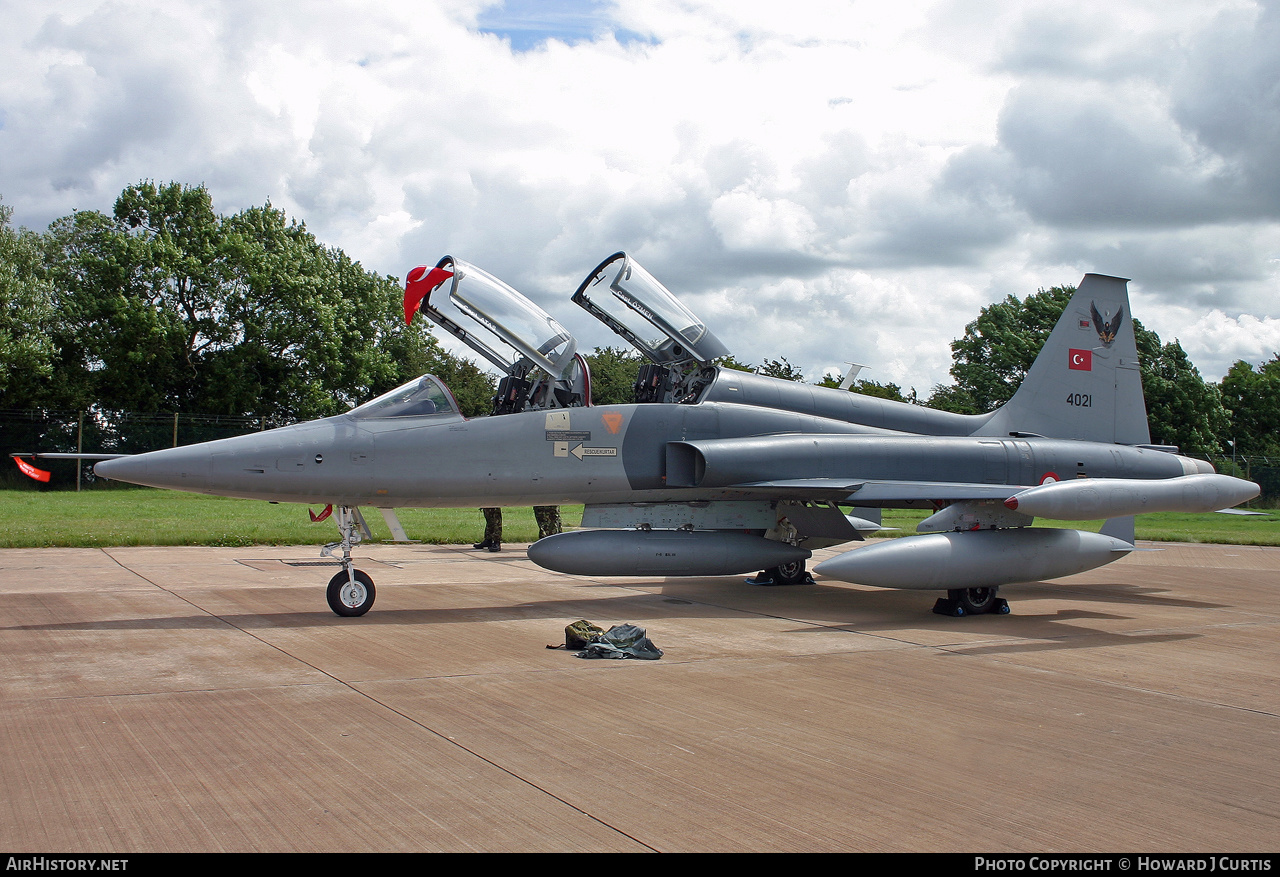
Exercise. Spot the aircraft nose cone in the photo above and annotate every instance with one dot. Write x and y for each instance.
(121, 469)
(175, 468)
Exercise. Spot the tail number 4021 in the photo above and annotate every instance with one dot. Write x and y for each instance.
(1080, 400)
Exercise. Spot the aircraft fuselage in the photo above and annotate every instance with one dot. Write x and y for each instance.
(602, 454)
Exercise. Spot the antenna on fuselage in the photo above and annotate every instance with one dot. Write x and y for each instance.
(852, 374)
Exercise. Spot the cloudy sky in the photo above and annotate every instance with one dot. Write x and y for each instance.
(824, 181)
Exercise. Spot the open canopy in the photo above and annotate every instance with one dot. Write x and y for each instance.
(507, 326)
(631, 302)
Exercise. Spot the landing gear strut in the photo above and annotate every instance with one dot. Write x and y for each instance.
(971, 601)
(351, 591)
(792, 573)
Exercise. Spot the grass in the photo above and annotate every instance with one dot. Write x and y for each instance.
(103, 518)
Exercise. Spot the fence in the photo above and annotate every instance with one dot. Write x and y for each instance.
(107, 432)
(1263, 470)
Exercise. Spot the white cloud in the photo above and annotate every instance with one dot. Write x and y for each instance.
(865, 176)
(1247, 337)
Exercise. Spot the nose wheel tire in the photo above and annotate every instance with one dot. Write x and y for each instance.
(350, 598)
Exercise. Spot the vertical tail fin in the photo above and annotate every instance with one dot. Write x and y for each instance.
(1085, 384)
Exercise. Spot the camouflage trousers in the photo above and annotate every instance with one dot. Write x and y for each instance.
(548, 518)
(493, 526)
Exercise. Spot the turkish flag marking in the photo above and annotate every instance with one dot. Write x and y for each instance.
(1081, 360)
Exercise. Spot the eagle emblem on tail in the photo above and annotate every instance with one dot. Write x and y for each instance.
(1107, 329)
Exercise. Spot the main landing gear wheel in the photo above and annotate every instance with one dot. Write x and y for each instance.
(351, 598)
(960, 602)
(788, 574)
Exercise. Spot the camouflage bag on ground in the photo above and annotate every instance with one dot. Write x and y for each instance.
(579, 634)
(622, 641)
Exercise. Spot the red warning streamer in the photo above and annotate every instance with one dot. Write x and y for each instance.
(31, 471)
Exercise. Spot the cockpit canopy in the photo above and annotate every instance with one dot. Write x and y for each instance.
(422, 397)
(539, 358)
(536, 355)
(510, 328)
(631, 302)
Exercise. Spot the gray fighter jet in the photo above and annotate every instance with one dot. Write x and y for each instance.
(714, 471)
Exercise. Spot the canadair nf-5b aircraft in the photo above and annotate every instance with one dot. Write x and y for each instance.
(713, 471)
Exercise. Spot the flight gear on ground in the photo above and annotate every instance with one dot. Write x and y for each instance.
(622, 641)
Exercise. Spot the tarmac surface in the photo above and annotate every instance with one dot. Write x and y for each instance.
(206, 699)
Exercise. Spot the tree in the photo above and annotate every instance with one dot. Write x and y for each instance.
(140, 294)
(1253, 397)
(26, 316)
(780, 368)
(730, 361)
(613, 375)
(1182, 409)
(770, 368)
(169, 306)
(949, 397)
(314, 333)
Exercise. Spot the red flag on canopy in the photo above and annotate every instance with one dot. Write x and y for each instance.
(420, 283)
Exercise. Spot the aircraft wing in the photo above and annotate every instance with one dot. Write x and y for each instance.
(70, 456)
(890, 491)
(870, 493)
(833, 489)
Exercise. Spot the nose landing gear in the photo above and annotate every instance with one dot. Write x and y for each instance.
(351, 592)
